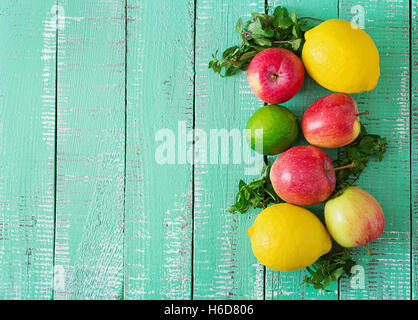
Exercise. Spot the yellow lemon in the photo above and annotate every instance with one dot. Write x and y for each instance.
(285, 237)
(341, 57)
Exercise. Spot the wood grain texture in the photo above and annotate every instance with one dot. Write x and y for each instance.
(414, 145)
(129, 227)
(158, 237)
(27, 144)
(388, 271)
(224, 266)
(90, 151)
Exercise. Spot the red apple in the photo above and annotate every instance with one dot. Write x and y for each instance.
(332, 121)
(354, 218)
(303, 175)
(275, 75)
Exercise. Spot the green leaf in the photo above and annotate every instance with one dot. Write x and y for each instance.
(329, 268)
(230, 51)
(257, 194)
(269, 33)
(304, 27)
(230, 71)
(280, 11)
(248, 55)
(241, 184)
(296, 44)
(292, 17)
(256, 25)
(258, 32)
(256, 46)
(295, 32)
(285, 22)
(239, 28)
(246, 194)
(262, 17)
(255, 184)
(263, 42)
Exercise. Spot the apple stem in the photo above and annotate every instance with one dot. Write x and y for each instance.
(274, 76)
(368, 250)
(343, 167)
(362, 114)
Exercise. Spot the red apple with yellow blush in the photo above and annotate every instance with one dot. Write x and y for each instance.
(332, 121)
(275, 75)
(354, 218)
(303, 175)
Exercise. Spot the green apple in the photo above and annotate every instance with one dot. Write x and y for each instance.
(354, 218)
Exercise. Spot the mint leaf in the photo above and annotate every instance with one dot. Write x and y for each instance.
(280, 29)
(257, 194)
(360, 152)
(329, 268)
(239, 28)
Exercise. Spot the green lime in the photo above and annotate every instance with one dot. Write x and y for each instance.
(279, 129)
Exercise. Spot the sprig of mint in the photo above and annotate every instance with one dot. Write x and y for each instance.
(257, 194)
(358, 152)
(280, 29)
(329, 268)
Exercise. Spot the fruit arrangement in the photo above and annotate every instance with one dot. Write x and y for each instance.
(276, 50)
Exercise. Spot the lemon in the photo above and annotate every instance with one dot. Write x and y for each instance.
(285, 237)
(341, 57)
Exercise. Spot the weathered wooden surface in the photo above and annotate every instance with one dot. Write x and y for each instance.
(158, 218)
(87, 211)
(90, 150)
(414, 146)
(27, 144)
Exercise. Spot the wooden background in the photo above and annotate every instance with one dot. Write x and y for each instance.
(85, 210)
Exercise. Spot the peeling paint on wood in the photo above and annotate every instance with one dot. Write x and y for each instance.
(27, 143)
(414, 147)
(90, 151)
(158, 223)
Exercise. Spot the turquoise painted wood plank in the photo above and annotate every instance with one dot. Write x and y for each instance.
(27, 148)
(289, 285)
(158, 237)
(414, 146)
(388, 271)
(159, 229)
(224, 266)
(90, 151)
